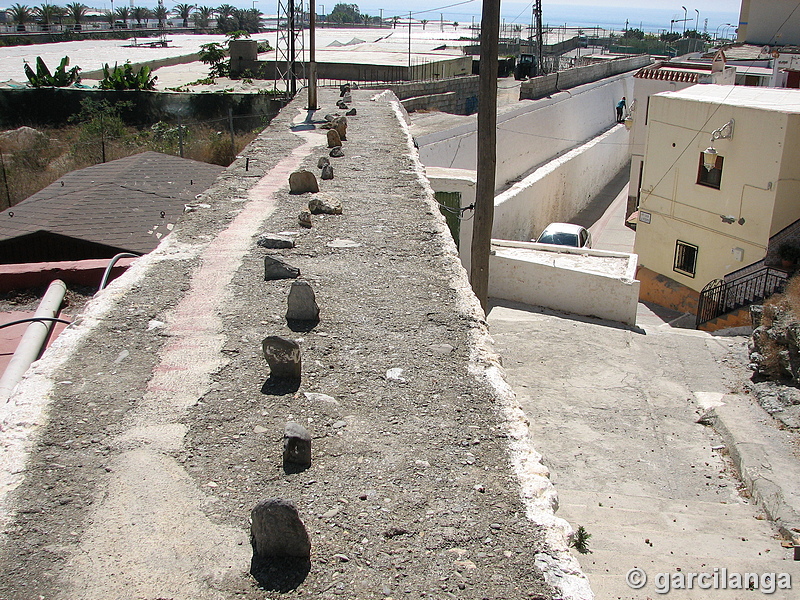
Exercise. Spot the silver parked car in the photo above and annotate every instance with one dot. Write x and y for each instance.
(566, 234)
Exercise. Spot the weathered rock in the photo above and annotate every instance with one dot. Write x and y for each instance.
(296, 445)
(351, 112)
(327, 172)
(325, 205)
(340, 125)
(344, 89)
(302, 303)
(304, 218)
(276, 531)
(329, 117)
(341, 104)
(271, 240)
(23, 139)
(337, 152)
(283, 356)
(334, 139)
(275, 268)
(323, 160)
(302, 181)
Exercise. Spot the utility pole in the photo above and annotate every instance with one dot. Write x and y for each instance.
(292, 66)
(312, 65)
(409, 46)
(487, 153)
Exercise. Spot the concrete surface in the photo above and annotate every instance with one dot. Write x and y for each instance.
(134, 450)
(615, 411)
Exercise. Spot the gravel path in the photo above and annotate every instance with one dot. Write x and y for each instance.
(160, 432)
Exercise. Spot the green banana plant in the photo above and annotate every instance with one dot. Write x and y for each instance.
(124, 78)
(61, 78)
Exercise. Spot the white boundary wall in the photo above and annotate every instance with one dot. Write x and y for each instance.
(535, 132)
(559, 190)
(578, 291)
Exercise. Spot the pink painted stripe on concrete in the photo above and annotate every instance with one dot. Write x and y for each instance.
(195, 322)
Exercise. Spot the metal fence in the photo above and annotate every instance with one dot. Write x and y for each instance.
(721, 297)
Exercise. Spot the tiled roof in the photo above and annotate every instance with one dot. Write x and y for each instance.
(666, 74)
(130, 203)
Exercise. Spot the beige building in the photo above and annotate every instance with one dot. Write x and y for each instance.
(664, 76)
(769, 22)
(706, 215)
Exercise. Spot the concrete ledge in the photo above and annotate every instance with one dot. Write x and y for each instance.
(583, 281)
(763, 455)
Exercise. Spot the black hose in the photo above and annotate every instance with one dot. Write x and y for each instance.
(35, 319)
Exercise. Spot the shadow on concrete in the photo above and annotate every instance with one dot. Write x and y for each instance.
(280, 574)
(540, 310)
(301, 326)
(600, 203)
(293, 468)
(275, 386)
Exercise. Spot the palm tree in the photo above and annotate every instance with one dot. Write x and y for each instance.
(455, 25)
(424, 22)
(184, 11)
(140, 13)
(224, 12)
(161, 14)
(76, 11)
(47, 13)
(123, 14)
(20, 14)
(203, 15)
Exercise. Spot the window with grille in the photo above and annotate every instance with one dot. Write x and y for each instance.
(710, 177)
(685, 258)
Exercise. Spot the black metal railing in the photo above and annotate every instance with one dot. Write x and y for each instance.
(721, 297)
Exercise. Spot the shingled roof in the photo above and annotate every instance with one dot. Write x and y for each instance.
(126, 205)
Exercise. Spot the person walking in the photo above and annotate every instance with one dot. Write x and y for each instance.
(620, 109)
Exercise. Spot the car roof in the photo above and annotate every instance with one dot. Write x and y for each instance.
(564, 227)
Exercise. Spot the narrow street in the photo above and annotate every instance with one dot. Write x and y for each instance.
(614, 411)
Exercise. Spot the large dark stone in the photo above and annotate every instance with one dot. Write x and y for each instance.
(277, 531)
(275, 268)
(296, 445)
(334, 139)
(302, 303)
(336, 152)
(283, 356)
(327, 172)
(303, 181)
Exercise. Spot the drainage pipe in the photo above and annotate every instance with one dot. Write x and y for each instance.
(32, 342)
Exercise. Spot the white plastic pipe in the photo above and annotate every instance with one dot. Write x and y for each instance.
(30, 346)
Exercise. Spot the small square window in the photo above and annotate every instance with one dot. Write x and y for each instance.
(685, 258)
(710, 177)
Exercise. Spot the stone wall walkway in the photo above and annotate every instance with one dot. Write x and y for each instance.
(137, 447)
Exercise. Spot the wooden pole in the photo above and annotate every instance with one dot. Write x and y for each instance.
(487, 152)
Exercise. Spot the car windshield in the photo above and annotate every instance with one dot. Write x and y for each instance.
(560, 238)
